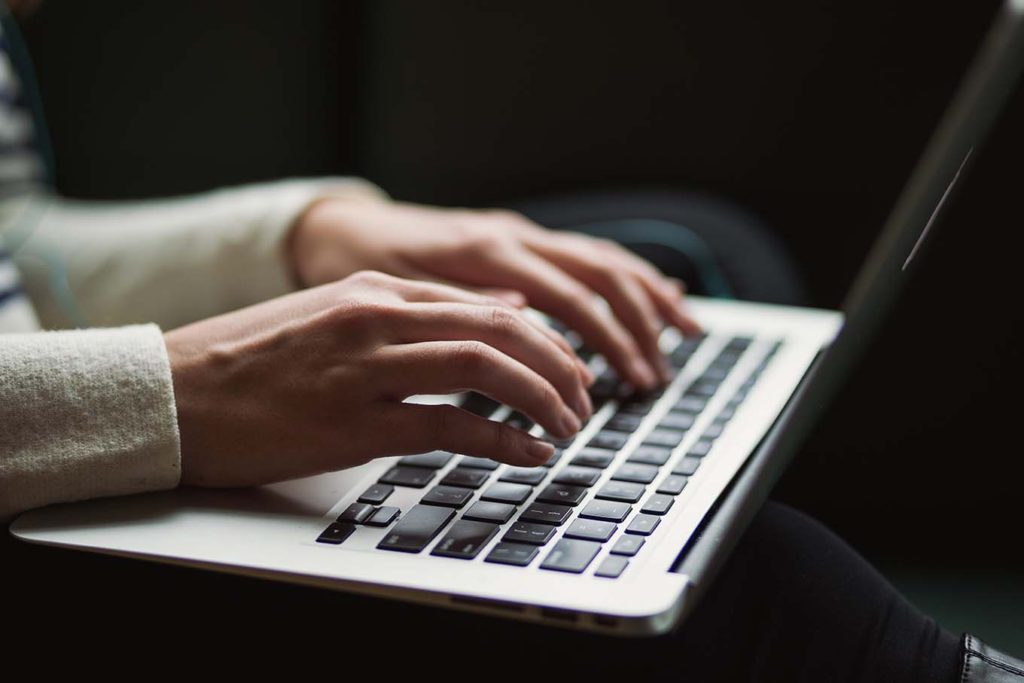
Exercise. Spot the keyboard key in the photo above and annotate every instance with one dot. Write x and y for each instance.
(416, 477)
(434, 460)
(657, 504)
(519, 421)
(590, 530)
(632, 471)
(524, 475)
(607, 510)
(546, 513)
(651, 455)
(622, 491)
(478, 404)
(336, 533)
(465, 539)
(672, 484)
(356, 513)
(624, 422)
(664, 437)
(739, 343)
(690, 404)
(416, 528)
(376, 494)
(713, 431)
(687, 466)
(449, 496)
(607, 386)
(383, 516)
(703, 388)
(562, 494)
(611, 567)
(637, 406)
(593, 457)
(478, 463)
(609, 440)
(526, 532)
(643, 525)
(571, 555)
(555, 457)
(466, 478)
(490, 512)
(677, 420)
(578, 476)
(504, 492)
(555, 441)
(628, 545)
(701, 448)
(517, 554)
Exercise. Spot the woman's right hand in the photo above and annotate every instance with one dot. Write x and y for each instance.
(315, 381)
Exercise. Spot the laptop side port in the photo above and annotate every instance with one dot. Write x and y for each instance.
(487, 604)
(559, 615)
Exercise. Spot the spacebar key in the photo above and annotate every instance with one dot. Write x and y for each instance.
(416, 528)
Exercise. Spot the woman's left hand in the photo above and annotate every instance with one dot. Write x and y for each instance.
(555, 272)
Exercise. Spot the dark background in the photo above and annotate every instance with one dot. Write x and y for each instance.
(811, 114)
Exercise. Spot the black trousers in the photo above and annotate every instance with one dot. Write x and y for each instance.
(793, 603)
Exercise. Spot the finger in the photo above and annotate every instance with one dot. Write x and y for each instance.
(585, 374)
(427, 291)
(512, 297)
(508, 331)
(554, 291)
(674, 311)
(629, 300)
(412, 428)
(446, 367)
(509, 296)
(666, 293)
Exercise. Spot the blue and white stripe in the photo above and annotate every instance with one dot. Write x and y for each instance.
(16, 315)
(21, 170)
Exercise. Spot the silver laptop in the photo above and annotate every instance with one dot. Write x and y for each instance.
(627, 524)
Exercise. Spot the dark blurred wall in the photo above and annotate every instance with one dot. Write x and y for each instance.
(155, 98)
(810, 112)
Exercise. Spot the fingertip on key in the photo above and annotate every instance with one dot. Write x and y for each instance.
(540, 451)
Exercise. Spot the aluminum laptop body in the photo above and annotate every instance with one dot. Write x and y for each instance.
(781, 365)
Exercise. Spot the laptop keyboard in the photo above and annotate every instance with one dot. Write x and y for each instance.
(562, 512)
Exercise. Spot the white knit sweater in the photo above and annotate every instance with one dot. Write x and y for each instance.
(90, 412)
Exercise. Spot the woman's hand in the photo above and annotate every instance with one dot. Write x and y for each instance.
(555, 272)
(314, 381)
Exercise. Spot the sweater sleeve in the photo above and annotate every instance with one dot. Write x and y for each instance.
(170, 262)
(85, 413)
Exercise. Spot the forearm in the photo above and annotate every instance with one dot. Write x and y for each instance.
(165, 261)
(85, 414)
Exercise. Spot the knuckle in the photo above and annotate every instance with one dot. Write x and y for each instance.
(371, 278)
(444, 425)
(485, 244)
(503, 321)
(471, 356)
(503, 437)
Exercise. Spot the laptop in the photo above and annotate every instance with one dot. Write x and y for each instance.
(627, 524)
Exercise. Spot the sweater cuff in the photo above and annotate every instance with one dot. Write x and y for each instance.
(282, 203)
(85, 413)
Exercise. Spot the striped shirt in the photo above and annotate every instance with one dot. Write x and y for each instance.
(21, 171)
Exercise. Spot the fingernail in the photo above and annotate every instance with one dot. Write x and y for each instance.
(582, 405)
(643, 371)
(588, 376)
(570, 423)
(540, 450)
(664, 372)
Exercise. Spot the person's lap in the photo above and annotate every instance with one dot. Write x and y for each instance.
(792, 603)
